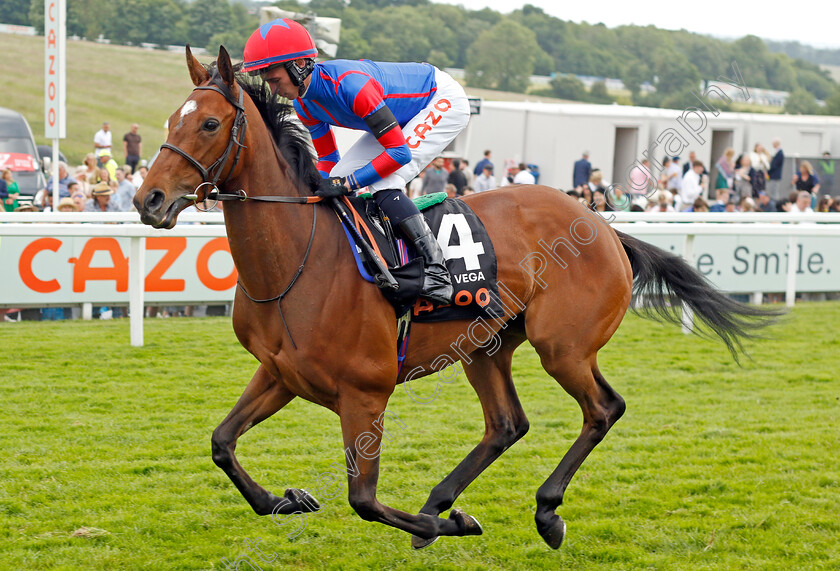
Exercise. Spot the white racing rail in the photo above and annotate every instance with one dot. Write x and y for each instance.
(639, 224)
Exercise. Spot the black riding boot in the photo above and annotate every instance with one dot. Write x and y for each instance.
(437, 285)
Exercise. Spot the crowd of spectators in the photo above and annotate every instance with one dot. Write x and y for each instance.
(99, 184)
(743, 183)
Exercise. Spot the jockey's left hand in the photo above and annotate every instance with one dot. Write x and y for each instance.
(332, 187)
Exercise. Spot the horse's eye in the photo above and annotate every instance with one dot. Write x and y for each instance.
(210, 125)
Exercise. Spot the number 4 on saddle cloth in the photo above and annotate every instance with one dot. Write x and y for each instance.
(469, 253)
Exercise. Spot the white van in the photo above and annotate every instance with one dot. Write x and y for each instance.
(19, 153)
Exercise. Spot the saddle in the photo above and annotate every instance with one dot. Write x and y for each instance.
(471, 259)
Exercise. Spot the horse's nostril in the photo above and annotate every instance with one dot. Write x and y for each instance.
(154, 200)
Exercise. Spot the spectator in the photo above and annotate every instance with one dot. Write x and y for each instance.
(67, 205)
(82, 179)
(108, 164)
(132, 147)
(63, 180)
(722, 199)
(691, 187)
(465, 168)
(765, 203)
(747, 204)
(599, 201)
(674, 175)
(125, 190)
(9, 191)
(486, 181)
(415, 187)
(456, 177)
(774, 173)
(140, 175)
(663, 175)
(79, 200)
(641, 180)
(100, 200)
(596, 181)
(725, 169)
(827, 167)
(700, 206)
(435, 178)
(760, 161)
(479, 166)
(523, 176)
(102, 140)
(451, 190)
(742, 184)
(582, 170)
(824, 204)
(661, 202)
(692, 156)
(91, 169)
(806, 179)
(802, 204)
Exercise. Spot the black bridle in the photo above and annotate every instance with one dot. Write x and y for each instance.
(213, 173)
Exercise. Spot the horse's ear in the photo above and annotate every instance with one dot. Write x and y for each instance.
(225, 66)
(198, 73)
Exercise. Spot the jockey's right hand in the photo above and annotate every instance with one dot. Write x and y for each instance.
(332, 187)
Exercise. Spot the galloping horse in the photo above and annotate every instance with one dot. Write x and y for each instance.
(568, 279)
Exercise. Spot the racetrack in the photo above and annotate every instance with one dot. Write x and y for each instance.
(712, 466)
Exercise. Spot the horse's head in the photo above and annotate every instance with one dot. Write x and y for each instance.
(202, 148)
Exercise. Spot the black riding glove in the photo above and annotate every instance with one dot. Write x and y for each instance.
(332, 187)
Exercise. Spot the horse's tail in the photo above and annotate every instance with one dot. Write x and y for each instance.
(662, 279)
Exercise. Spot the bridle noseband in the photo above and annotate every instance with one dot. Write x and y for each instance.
(212, 173)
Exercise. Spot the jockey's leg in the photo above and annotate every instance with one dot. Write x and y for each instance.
(404, 215)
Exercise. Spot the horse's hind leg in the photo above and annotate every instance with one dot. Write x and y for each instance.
(504, 424)
(601, 407)
(263, 396)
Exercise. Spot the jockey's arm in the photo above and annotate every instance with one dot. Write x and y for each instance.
(367, 102)
(323, 139)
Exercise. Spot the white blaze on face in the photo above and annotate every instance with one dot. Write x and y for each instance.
(188, 108)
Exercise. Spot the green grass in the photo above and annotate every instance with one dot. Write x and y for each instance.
(119, 84)
(712, 467)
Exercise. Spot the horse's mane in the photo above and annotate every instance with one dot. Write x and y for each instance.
(289, 135)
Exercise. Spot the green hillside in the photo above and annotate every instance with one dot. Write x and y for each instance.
(118, 84)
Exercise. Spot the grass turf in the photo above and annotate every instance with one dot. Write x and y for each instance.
(107, 457)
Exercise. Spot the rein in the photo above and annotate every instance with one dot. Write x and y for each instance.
(213, 173)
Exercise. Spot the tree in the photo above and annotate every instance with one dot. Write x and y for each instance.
(15, 12)
(206, 18)
(832, 104)
(568, 87)
(242, 25)
(801, 102)
(503, 57)
(634, 75)
(598, 93)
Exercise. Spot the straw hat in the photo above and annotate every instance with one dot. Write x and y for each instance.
(102, 189)
(27, 208)
(67, 204)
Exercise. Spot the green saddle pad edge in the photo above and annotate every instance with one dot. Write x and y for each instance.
(421, 202)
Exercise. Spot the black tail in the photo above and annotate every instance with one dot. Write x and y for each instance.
(662, 279)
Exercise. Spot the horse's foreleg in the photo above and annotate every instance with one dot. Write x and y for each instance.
(361, 418)
(263, 396)
(601, 407)
(504, 424)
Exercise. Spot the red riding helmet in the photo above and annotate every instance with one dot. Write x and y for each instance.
(279, 41)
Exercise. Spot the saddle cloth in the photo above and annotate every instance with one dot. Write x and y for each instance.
(470, 258)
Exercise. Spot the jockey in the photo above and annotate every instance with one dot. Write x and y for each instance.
(410, 112)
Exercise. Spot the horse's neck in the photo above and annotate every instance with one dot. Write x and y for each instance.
(267, 241)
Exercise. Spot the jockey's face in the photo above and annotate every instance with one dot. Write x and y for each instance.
(280, 83)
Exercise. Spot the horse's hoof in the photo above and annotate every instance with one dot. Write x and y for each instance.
(420, 543)
(467, 524)
(304, 501)
(553, 532)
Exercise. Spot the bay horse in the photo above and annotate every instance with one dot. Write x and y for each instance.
(330, 337)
